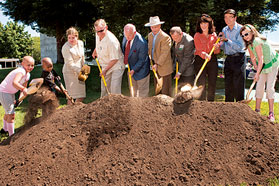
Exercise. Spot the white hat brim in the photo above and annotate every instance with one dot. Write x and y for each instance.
(149, 24)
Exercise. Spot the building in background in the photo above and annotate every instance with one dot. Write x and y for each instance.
(48, 47)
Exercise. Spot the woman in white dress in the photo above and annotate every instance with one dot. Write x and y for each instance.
(73, 54)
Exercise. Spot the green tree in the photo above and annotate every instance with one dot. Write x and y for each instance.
(184, 13)
(14, 41)
(52, 17)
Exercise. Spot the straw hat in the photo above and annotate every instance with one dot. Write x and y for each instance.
(154, 21)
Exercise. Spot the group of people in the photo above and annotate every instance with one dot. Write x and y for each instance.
(161, 51)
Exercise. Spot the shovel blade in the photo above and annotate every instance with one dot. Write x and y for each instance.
(246, 101)
(159, 85)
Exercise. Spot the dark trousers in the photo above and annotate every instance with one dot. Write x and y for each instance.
(210, 71)
(166, 88)
(234, 77)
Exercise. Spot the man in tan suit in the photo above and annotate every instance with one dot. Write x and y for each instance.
(159, 50)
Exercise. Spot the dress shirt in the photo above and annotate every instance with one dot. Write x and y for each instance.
(153, 43)
(235, 42)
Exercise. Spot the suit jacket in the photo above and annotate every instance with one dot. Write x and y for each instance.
(183, 52)
(138, 57)
(162, 52)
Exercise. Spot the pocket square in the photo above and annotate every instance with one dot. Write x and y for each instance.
(134, 51)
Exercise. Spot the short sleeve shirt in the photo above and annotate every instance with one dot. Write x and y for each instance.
(109, 49)
(270, 57)
(7, 84)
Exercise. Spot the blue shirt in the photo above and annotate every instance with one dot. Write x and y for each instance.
(153, 43)
(235, 42)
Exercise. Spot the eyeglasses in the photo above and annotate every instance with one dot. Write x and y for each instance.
(99, 31)
(246, 34)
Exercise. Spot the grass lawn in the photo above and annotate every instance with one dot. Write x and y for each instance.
(93, 91)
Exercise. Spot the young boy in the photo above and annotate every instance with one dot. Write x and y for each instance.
(49, 75)
(45, 98)
(16, 80)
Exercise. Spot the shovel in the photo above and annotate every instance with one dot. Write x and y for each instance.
(247, 100)
(195, 88)
(64, 90)
(34, 86)
(102, 76)
(159, 84)
(130, 79)
(176, 80)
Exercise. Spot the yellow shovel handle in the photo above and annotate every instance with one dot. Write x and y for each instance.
(101, 72)
(205, 62)
(176, 79)
(130, 78)
(154, 71)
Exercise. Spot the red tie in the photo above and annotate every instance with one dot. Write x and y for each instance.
(127, 51)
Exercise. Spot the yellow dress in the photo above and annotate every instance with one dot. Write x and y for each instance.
(73, 61)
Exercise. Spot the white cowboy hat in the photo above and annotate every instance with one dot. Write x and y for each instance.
(154, 21)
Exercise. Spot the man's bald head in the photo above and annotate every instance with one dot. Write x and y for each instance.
(130, 31)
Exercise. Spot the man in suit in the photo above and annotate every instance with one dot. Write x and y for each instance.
(159, 49)
(183, 52)
(135, 50)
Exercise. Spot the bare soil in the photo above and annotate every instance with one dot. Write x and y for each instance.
(119, 140)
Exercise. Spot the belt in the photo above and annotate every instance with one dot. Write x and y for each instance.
(236, 54)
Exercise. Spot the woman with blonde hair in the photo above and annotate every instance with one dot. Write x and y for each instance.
(73, 54)
(265, 62)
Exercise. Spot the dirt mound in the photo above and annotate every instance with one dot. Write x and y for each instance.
(118, 140)
(43, 99)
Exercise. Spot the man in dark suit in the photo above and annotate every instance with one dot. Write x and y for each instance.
(135, 50)
(183, 49)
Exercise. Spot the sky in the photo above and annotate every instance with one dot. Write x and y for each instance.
(272, 36)
(4, 19)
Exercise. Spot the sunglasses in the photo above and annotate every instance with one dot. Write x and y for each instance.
(99, 31)
(246, 34)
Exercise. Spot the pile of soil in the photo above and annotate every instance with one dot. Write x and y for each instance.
(119, 140)
(44, 99)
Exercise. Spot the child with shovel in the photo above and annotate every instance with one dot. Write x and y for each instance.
(266, 61)
(16, 80)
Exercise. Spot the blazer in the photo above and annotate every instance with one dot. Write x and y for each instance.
(138, 59)
(162, 52)
(183, 52)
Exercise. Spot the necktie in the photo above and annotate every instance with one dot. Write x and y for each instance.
(127, 51)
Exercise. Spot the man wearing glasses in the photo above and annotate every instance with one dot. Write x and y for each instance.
(233, 46)
(110, 56)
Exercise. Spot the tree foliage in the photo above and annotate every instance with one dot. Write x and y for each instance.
(54, 17)
(14, 41)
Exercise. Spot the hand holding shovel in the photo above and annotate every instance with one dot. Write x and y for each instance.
(34, 86)
(247, 100)
(159, 80)
(64, 90)
(102, 76)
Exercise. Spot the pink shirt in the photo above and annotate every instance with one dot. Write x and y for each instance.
(205, 44)
(7, 84)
